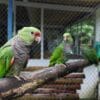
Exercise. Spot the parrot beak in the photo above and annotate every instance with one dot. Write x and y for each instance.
(37, 37)
(65, 38)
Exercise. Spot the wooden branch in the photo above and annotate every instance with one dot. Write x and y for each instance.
(52, 96)
(75, 75)
(19, 90)
(70, 67)
(62, 86)
(50, 90)
(12, 87)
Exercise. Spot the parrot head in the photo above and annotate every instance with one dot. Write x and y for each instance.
(30, 34)
(67, 37)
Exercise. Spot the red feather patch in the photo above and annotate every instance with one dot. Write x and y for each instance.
(37, 34)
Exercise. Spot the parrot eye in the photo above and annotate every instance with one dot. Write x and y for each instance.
(32, 32)
(37, 34)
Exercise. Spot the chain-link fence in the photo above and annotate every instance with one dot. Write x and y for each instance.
(54, 23)
(53, 18)
(29, 16)
(3, 24)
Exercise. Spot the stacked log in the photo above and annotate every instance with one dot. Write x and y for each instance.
(12, 87)
(61, 89)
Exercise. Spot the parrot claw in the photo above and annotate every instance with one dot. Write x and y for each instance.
(18, 78)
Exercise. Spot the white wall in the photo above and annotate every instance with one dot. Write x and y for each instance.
(88, 87)
(98, 24)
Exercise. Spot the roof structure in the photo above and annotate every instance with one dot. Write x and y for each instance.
(68, 11)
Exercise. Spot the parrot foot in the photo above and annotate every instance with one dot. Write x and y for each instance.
(20, 78)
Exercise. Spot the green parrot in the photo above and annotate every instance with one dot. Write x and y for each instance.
(89, 53)
(59, 54)
(15, 53)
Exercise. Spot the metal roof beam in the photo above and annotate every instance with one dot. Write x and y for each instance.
(55, 6)
(52, 6)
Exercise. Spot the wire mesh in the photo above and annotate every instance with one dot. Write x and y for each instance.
(27, 16)
(3, 24)
(53, 22)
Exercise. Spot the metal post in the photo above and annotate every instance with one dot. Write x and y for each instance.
(14, 13)
(10, 16)
(42, 41)
(97, 43)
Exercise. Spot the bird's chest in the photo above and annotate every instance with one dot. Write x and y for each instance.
(21, 53)
(67, 47)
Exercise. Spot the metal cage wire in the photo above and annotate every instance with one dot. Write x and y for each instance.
(52, 17)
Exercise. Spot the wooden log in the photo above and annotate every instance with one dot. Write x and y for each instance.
(68, 81)
(70, 67)
(35, 68)
(13, 91)
(75, 75)
(61, 86)
(36, 79)
(53, 90)
(52, 96)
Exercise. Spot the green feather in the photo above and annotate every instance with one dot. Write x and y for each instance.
(57, 55)
(6, 55)
(90, 54)
(25, 34)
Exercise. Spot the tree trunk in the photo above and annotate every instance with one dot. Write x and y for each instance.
(12, 87)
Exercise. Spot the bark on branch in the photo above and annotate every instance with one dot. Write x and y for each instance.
(12, 87)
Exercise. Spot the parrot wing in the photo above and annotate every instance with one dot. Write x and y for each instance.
(57, 55)
(90, 55)
(6, 59)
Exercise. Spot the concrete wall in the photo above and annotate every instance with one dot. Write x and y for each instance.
(98, 24)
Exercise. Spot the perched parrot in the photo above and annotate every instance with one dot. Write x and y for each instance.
(89, 53)
(59, 54)
(15, 53)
